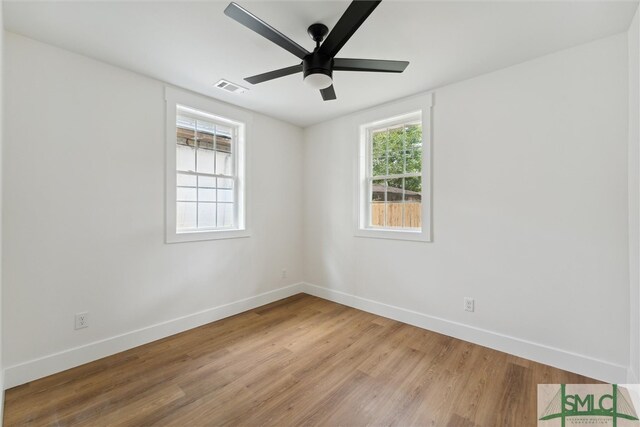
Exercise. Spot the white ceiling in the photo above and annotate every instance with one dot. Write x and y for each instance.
(193, 44)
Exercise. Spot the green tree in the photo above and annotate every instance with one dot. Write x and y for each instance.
(398, 150)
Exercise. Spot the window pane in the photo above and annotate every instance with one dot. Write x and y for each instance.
(414, 161)
(206, 160)
(206, 195)
(205, 135)
(378, 190)
(186, 194)
(185, 158)
(205, 126)
(186, 180)
(379, 143)
(412, 202)
(185, 215)
(395, 148)
(379, 166)
(224, 137)
(395, 212)
(225, 195)
(412, 215)
(378, 195)
(225, 183)
(413, 136)
(413, 148)
(379, 153)
(185, 131)
(396, 163)
(394, 190)
(206, 182)
(184, 121)
(396, 139)
(225, 214)
(378, 214)
(223, 163)
(206, 215)
(413, 188)
(394, 202)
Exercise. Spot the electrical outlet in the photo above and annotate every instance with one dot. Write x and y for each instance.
(284, 273)
(82, 320)
(468, 304)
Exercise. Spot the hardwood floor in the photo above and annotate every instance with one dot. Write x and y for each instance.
(302, 360)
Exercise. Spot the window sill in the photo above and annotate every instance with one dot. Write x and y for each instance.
(196, 236)
(414, 236)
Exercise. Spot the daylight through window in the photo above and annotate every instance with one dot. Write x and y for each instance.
(395, 174)
(205, 172)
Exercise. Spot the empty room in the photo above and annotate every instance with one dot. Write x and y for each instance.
(320, 213)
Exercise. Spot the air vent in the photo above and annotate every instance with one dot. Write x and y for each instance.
(230, 87)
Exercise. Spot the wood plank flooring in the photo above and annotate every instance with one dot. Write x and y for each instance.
(299, 361)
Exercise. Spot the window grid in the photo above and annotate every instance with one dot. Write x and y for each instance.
(387, 176)
(216, 132)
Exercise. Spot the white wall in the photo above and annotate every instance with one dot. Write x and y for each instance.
(83, 174)
(530, 214)
(634, 193)
(1, 149)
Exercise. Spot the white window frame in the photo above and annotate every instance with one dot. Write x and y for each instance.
(380, 117)
(216, 112)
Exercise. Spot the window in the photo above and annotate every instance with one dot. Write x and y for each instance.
(206, 180)
(395, 174)
(393, 188)
(205, 169)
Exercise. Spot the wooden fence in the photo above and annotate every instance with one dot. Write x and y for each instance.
(396, 212)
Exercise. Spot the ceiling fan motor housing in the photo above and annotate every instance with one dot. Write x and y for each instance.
(317, 63)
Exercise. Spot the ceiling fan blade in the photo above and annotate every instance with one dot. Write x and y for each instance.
(357, 12)
(254, 23)
(259, 78)
(376, 65)
(328, 94)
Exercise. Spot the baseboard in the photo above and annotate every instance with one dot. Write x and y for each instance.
(573, 362)
(58, 362)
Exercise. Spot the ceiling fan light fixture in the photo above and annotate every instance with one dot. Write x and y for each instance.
(318, 80)
(318, 66)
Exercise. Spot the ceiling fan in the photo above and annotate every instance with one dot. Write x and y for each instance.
(317, 67)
